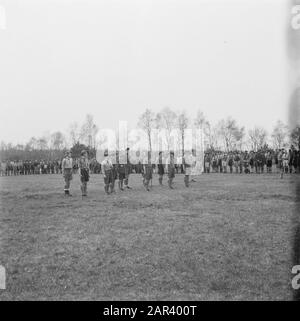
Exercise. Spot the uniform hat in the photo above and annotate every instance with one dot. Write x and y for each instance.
(83, 152)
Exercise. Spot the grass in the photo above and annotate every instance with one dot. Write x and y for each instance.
(228, 237)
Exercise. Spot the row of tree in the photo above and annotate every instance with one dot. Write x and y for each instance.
(224, 135)
(84, 134)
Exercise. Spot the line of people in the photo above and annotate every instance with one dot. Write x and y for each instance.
(113, 171)
(278, 161)
(38, 167)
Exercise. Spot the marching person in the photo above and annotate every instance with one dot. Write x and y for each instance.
(67, 168)
(107, 171)
(84, 172)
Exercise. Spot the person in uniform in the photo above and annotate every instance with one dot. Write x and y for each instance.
(84, 172)
(189, 162)
(67, 168)
(161, 169)
(138, 166)
(107, 171)
(285, 162)
(120, 172)
(269, 162)
(171, 169)
(187, 170)
(127, 169)
(147, 171)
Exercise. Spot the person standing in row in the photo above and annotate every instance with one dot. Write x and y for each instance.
(127, 169)
(67, 169)
(189, 162)
(84, 172)
(171, 169)
(107, 171)
(161, 169)
(120, 172)
(147, 171)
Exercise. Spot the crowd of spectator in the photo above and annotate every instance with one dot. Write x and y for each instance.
(264, 161)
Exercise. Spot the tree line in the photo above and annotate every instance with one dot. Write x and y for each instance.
(225, 135)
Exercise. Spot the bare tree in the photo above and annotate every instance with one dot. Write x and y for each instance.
(147, 123)
(295, 136)
(89, 131)
(200, 120)
(280, 135)
(57, 140)
(74, 132)
(95, 130)
(239, 135)
(42, 143)
(230, 133)
(166, 119)
(258, 137)
(3, 145)
(20, 147)
(200, 124)
(211, 134)
(182, 122)
(32, 144)
(101, 140)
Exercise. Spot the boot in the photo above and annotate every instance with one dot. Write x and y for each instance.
(160, 181)
(186, 181)
(67, 193)
(84, 190)
(112, 190)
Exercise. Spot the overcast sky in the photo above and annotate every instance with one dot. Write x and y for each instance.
(62, 59)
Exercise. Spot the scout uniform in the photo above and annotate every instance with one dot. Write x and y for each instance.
(84, 172)
(67, 167)
(246, 162)
(120, 172)
(127, 169)
(285, 162)
(161, 169)
(147, 171)
(190, 166)
(207, 161)
(107, 171)
(138, 166)
(269, 162)
(171, 169)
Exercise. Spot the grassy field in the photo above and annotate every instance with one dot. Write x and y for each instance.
(228, 237)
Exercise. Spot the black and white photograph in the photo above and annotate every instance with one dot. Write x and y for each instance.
(150, 151)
